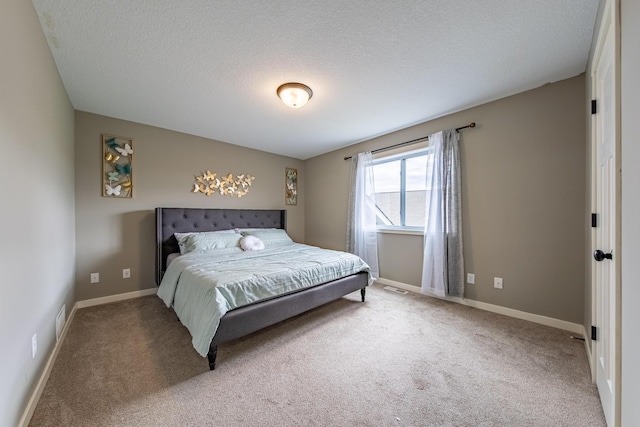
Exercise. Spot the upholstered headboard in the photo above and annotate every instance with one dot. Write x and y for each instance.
(184, 220)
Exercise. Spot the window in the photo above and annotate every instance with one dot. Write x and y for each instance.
(401, 189)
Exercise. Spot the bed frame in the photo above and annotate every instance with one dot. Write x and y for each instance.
(251, 318)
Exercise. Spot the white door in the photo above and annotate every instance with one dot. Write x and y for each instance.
(605, 242)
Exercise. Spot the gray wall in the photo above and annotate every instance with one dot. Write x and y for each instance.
(113, 234)
(523, 178)
(38, 255)
(630, 26)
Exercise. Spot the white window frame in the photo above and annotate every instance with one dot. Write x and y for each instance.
(401, 229)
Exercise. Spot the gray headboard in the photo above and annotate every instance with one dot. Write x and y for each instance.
(184, 220)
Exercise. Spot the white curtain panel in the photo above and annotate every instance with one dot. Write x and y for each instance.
(362, 237)
(443, 264)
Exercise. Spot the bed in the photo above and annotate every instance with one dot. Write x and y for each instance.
(250, 316)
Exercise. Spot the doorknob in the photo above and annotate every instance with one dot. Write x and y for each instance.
(598, 255)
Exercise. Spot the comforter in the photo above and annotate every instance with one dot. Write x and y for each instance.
(203, 286)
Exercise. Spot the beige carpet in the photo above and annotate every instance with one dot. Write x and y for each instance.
(396, 360)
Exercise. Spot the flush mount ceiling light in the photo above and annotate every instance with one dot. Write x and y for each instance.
(294, 95)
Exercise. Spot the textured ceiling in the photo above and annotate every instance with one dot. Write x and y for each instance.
(211, 67)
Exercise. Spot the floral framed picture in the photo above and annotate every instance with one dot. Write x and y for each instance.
(291, 186)
(117, 166)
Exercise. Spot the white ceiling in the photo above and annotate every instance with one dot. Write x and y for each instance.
(211, 67)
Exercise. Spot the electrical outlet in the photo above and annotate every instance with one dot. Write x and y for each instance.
(34, 345)
(471, 278)
(95, 277)
(126, 273)
(497, 282)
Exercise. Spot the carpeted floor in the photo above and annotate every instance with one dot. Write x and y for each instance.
(396, 360)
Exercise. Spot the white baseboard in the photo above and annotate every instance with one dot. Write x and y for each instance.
(536, 318)
(114, 298)
(44, 377)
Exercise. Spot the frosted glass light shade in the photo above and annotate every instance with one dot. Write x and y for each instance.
(294, 95)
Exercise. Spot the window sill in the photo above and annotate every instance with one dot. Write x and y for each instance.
(408, 231)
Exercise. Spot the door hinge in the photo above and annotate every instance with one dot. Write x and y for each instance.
(594, 108)
(594, 333)
(594, 220)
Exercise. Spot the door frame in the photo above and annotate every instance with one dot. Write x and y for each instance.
(610, 18)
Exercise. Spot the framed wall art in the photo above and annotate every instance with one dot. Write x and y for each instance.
(291, 186)
(117, 166)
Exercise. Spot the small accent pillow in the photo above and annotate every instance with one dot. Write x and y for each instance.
(251, 243)
(201, 242)
(182, 237)
(270, 236)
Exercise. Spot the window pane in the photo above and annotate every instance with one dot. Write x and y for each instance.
(416, 169)
(386, 178)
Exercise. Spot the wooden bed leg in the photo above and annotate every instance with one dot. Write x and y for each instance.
(363, 291)
(213, 352)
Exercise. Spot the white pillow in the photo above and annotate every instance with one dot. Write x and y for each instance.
(182, 237)
(251, 243)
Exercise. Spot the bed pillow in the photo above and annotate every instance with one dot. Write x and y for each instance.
(182, 237)
(251, 243)
(270, 236)
(200, 242)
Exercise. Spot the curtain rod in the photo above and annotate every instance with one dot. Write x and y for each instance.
(424, 138)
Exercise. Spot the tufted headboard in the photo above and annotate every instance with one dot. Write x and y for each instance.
(184, 220)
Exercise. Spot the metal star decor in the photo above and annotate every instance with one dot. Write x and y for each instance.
(226, 185)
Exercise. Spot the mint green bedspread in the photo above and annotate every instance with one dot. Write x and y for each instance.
(202, 287)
